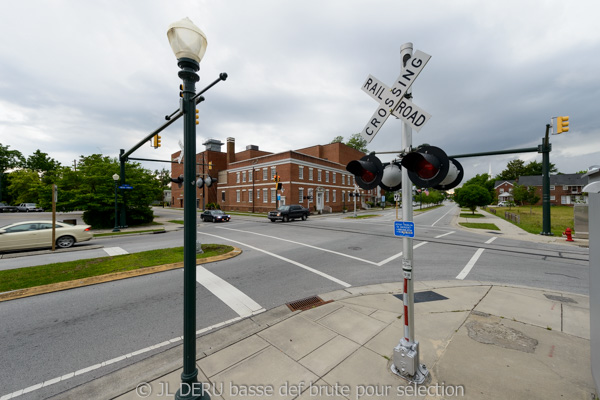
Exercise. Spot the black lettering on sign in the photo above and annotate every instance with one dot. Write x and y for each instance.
(377, 90)
(382, 112)
(407, 76)
(397, 92)
(401, 106)
(368, 83)
(389, 102)
(367, 131)
(416, 62)
(420, 120)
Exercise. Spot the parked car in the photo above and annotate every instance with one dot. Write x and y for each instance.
(214, 216)
(503, 204)
(38, 234)
(29, 207)
(6, 208)
(289, 212)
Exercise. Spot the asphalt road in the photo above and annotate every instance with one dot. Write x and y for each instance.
(46, 337)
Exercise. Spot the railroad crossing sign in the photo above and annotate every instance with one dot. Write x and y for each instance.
(392, 101)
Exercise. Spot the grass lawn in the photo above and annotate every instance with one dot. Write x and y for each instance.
(27, 277)
(479, 225)
(561, 217)
(469, 215)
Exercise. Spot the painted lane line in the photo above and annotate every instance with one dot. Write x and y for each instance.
(323, 274)
(444, 234)
(115, 251)
(399, 254)
(112, 361)
(451, 209)
(490, 240)
(235, 299)
(301, 244)
(463, 274)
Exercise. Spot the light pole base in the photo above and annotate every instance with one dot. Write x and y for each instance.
(406, 362)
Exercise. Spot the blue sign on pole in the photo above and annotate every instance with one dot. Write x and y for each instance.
(125, 186)
(404, 228)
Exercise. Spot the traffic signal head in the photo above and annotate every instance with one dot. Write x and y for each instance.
(208, 181)
(156, 141)
(429, 166)
(392, 178)
(562, 124)
(279, 186)
(367, 171)
(197, 117)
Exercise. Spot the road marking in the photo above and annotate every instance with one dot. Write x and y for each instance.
(115, 251)
(399, 254)
(237, 300)
(301, 244)
(444, 234)
(490, 240)
(112, 361)
(463, 274)
(323, 274)
(438, 220)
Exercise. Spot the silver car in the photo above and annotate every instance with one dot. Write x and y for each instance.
(38, 234)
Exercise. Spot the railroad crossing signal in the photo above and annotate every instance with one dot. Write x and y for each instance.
(392, 101)
(429, 166)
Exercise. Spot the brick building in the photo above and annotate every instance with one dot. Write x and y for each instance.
(565, 189)
(245, 179)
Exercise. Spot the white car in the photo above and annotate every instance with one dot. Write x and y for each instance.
(38, 234)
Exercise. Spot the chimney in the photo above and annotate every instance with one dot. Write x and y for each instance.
(230, 150)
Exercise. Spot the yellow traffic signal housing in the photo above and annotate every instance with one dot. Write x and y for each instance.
(197, 117)
(562, 124)
(181, 90)
(278, 186)
(156, 141)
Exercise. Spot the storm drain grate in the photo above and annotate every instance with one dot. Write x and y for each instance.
(307, 303)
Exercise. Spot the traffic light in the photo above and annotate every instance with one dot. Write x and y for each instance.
(367, 171)
(197, 117)
(208, 181)
(562, 124)
(279, 186)
(178, 180)
(181, 90)
(156, 141)
(429, 166)
(392, 177)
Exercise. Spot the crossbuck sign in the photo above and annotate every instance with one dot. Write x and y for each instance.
(392, 101)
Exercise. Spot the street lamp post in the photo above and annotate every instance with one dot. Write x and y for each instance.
(116, 228)
(188, 43)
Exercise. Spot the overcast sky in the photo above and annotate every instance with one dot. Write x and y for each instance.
(78, 78)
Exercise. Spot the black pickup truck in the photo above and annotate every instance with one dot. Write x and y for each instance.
(7, 208)
(291, 212)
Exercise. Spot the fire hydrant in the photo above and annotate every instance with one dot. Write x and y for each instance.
(568, 233)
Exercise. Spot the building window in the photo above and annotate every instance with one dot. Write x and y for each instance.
(552, 187)
(343, 196)
(552, 198)
(326, 176)
(310, 174)
(327, 196)
(244, 176)
(273, 195)
(333, 173)
(343, 179)
(257, 194)
(319, 175)
(272, 172)
(310, 193)
(265, 195)
(264, 174)
(301, 195)
(334, 197)
(501, 190)
(250, 173)
(237, 177)
(237, 193)
(250, 198)
(222, 196)
(301, 172)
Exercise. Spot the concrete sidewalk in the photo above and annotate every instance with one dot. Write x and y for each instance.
(478, 340)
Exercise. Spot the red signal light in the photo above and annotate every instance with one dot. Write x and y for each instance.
(426, 170)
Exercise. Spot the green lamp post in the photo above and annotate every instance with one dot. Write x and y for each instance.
(189, 45)
(116, 228)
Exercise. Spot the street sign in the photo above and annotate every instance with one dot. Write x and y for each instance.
(392, 101)
(125, 186)
(404, 228)
(407, 111)
(396, 196)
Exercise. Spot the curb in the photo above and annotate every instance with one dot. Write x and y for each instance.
(56, 287)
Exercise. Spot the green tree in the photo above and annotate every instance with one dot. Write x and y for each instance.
(41, 162)
(356, 141)
(527, 195)
(484, 180)
(535, 168)
(514, 169)
(24, 186)
(472, 196)
(8, 159)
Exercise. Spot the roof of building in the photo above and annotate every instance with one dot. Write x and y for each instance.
(498, 183)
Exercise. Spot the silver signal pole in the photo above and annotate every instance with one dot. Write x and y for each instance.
(406, 353)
